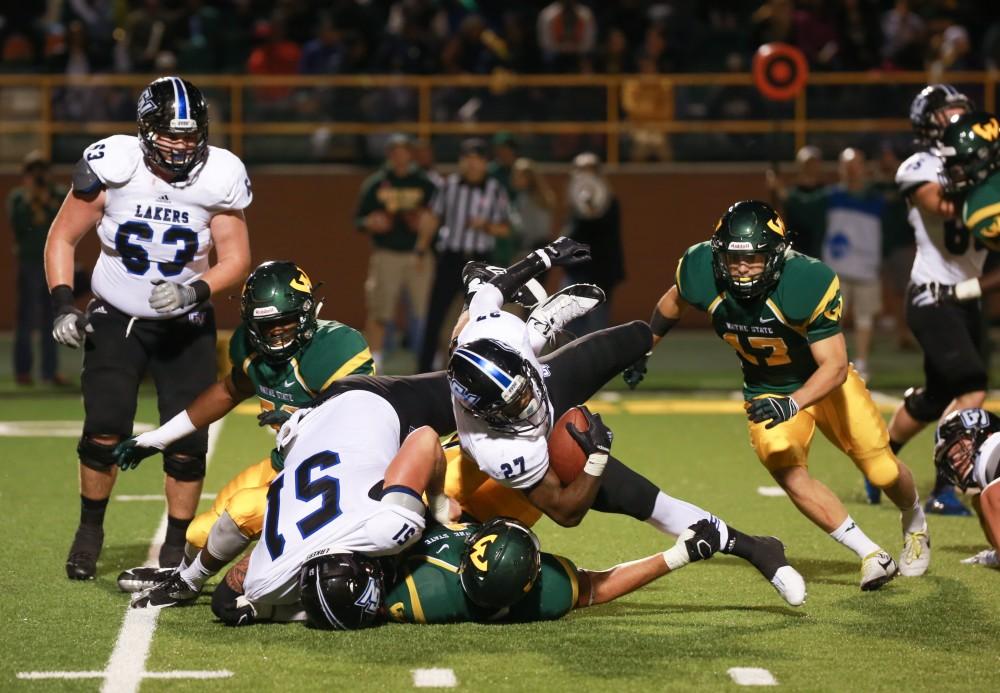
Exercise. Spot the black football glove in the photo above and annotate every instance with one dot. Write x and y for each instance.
(705, 541)
(128, 453)
(596, 440)
(274, 417)
(774, 408)
(634, 374)
(565, 252)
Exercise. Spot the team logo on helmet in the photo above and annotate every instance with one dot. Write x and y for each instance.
(478, 553)
(301, 283)
(989, 131)
(146, 103)
(777, 225)
(371, 598)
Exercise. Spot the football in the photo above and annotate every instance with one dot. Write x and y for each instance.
(565, 455)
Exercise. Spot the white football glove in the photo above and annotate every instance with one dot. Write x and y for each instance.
(70, 328)
(167, 297)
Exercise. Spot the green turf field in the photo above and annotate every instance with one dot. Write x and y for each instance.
(682, 633)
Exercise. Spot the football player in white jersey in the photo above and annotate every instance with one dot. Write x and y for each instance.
(967, 454)
(943, 309)
(506, 401)
(161, 201)
(355, 471)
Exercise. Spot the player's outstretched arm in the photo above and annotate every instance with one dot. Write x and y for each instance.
(666, 314)
(929, 198)
(698, 542)
(217, 400)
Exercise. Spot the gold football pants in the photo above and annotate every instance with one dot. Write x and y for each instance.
(848, 418)
(244, 498)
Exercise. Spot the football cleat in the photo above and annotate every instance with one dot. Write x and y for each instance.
(564, 306)
(476, 273)
(81, 564)
(171, 555)
(986, 558)
(877, 568)
(769, 558)
(143, 578)
(173, 592)
(946, 502)
(916, 554)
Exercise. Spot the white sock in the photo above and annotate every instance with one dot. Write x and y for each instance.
(913, 519)
(851, 536)
(672, 516)
(197, 574)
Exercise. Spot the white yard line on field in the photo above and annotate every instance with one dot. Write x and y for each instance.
(434, 678)
(752, 676)
(126, 667)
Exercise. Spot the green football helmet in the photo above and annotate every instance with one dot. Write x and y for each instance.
(500, 563)
(970, 150)
(278, 294)
(749, 228)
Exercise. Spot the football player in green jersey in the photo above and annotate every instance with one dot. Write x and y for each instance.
(282, 353)
(970, 149)
(489, 573)
(780, 311)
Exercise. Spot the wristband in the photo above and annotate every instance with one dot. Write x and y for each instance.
(968, 289)
(202, 291)
(62, 298)
(596, 463)
(660, 324)
(676, 557)
(546, 260)
(173, 430)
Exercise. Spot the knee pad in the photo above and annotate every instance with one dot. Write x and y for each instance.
(95, 455)
(625, 492)
(882, 470)
(922, 406)
(197, 531)
(184, 467)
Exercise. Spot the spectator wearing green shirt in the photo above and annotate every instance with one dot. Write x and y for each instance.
(392, 204)
(805, 213)
(31, 209)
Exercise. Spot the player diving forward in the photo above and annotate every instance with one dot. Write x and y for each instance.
(780, 311)
(506, 401)
(161, 201)
(943, 309)
(284, 355)
(489, 573)
(967, 454)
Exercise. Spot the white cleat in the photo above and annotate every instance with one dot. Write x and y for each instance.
(916, 554)
(987, 558)
(564, 306)
(877, 568)
(790, 585)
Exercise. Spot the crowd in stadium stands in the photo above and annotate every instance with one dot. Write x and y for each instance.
(479, 36)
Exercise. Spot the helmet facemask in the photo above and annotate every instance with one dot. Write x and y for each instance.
(525, 409)
(957, 441)
(278, 339)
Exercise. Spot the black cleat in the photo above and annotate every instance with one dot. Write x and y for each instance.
(172, 592)
(143, 578)
(81, 564)
(171, 555)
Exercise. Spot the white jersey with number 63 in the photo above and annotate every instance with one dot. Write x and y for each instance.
(322, 502)
(154, 230)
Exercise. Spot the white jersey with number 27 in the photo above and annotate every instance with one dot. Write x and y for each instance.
(322, 502)
(154, 230)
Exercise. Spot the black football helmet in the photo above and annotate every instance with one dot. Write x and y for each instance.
(749, 228)
(500, 563)
(172, 107)
(957, 440)
(927, 111)
(342, 591)
(970, 150)
(278, 293)
(498, 385)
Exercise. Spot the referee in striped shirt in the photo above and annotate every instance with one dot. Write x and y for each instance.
(470, 211)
